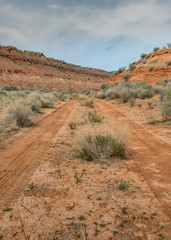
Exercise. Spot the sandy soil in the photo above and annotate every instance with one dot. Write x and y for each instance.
(60, 207)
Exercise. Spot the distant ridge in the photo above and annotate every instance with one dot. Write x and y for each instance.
(33, 69)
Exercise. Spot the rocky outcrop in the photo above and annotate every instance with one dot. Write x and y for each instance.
(153, 68)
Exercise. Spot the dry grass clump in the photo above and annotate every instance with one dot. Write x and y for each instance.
(166, 110)
(18, 114)
(93, 117)
(33, 100)
(47, 100)
(82, 97)
(100, 143)
(89, 104)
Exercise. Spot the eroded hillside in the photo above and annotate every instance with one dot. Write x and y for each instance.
(152, 68)
(33, 69)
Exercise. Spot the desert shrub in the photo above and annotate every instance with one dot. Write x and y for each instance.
(156, 49)
(72, 125)
(166, 109)
(132, 102)
(103, 86)
(158, 89)
(47, 100)
(33, 100)
(10, 88)
(169, 63)
(82, 97)
(144, 61)
(169, 45)
(151, 69)
(124, 94)
(93, 117)
(132, 67)
(120, 70)
(101, 146)
(112, 93)
(101, 95)
(143, 55)
(146, 93)
(89, 104)
(126, 77)
(18, 114)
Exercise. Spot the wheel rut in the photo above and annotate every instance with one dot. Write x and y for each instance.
(21, 157)
(152, 156)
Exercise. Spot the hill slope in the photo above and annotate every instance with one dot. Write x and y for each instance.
(153, 68)
(32, 69)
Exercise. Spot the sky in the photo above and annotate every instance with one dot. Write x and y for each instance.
(103, 34)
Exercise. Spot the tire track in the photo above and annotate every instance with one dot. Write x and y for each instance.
(20, 158)
(152, 156)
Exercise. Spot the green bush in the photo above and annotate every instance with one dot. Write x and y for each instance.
(10, 88)
(143, 55)
(100, 147)
(151, 69)
(120, 70)
(169, 45)
(132, 67)
(72, 125)
(144, 61)
(156, 49)
(169, 63)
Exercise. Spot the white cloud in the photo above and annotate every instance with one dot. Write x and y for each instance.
(54, 7)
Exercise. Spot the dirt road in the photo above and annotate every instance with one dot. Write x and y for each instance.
(152, 156)
(20, 158)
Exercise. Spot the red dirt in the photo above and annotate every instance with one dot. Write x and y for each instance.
(55, 207)
(161, 71)
(150, 154)
(31, 69)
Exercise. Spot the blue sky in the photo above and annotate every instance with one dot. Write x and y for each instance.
(104, 34)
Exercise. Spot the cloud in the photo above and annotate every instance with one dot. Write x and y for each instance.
(54, 7)
(73, 28)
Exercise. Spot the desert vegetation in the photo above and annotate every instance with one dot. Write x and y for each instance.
(18, 107)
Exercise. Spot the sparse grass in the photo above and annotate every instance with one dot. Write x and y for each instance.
(155, 122)
(1, 236)
(122, 185)
(31, 186)
(151, 69)
(124, 210)
(7, 210)
(77, 178)
(93, 117)
(89, 104)
(150, 105)
(81, 218)
(166, 109)
(72, 125)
